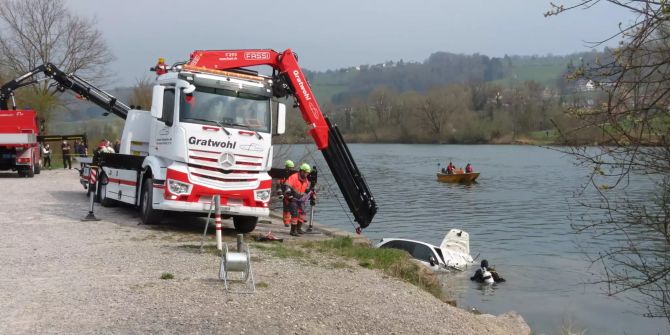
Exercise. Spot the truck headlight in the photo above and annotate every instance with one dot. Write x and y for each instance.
(178, 187)
(262, 195)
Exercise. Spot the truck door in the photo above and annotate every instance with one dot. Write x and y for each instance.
(163, 131)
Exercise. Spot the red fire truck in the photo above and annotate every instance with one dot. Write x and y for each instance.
(19, 150)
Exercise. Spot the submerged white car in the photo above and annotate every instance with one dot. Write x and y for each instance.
(453, 252)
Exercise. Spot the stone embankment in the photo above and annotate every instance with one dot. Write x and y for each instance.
(61, 275)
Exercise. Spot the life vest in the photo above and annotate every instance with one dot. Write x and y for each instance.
(289, 173)
(296, 185)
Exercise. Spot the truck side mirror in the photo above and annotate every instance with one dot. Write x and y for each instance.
(281, 119)
(189, 89)
(157, 102)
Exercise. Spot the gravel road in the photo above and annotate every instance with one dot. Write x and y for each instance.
(64, 276)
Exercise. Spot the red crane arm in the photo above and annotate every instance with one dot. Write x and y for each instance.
(285, 62)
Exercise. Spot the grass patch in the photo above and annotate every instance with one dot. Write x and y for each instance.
(264, 247)
(393, 262)
(262, 284)
(210, 249)
(280, 250)
(167, 275)
(340, 265)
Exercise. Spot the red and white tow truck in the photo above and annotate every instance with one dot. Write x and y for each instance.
(209, 133)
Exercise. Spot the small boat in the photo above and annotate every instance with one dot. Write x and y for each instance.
(457, 177)
(453, 252)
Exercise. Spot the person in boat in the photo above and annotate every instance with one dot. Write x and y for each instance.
(468, 168)
(286, 213)
(486, 274)
(450, 168)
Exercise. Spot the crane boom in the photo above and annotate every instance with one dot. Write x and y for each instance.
(290, 79)
(65, 81)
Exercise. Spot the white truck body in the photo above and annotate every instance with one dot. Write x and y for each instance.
(190, 157)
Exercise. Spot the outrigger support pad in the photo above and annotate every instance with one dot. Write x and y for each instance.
(90, 217)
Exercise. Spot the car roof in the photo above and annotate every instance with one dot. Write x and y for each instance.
(389, 239)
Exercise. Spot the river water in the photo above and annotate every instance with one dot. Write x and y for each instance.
(518, 216)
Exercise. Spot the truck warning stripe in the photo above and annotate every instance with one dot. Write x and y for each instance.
(123, 182)
(207, 151)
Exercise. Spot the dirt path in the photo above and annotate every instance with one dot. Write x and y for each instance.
(62, 275)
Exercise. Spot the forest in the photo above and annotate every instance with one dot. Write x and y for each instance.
(455, 98)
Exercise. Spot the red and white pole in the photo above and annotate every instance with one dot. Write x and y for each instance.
(92, 181)
(92, 177)
(217, 221)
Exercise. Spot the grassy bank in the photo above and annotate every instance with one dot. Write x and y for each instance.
(392, 262)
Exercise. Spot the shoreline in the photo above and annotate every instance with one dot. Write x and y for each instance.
(63, 275)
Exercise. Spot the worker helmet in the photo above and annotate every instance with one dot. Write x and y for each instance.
(305, 167)
(289, 164)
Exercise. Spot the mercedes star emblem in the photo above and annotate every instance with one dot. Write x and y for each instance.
(227, 160)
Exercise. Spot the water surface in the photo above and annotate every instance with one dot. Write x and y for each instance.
(518, 216)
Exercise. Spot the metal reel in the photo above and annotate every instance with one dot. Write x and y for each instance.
(237, 262)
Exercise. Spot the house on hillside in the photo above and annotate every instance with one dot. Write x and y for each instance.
(590, 85)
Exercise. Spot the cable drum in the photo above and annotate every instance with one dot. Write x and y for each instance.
(237, 262)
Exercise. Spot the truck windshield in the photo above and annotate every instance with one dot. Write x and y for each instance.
(207, 105)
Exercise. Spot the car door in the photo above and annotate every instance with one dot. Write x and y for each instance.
(424, 253)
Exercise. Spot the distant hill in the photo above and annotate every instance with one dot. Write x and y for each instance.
(76, 110)
(338, 86)
(441, 68)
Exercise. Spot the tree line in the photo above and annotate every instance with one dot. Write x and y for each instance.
(452, 98)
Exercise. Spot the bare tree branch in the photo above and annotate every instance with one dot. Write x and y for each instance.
(35, 32)
(635, 123)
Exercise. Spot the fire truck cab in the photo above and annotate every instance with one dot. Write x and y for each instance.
(19, 150)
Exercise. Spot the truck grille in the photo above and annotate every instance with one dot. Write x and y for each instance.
(204, 167)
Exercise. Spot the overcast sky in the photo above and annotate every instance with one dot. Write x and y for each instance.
(341, 33)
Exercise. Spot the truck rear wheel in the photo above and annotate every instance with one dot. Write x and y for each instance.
(148, 214)
(102, 192)
(38, 167)
(30, 172)
(245, 224)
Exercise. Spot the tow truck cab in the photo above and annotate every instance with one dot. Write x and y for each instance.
(208, 133)
(19, 150)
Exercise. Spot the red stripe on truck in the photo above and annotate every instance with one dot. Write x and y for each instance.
(123, 181)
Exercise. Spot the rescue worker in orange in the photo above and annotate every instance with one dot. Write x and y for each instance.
(286, 213)
(296, 191)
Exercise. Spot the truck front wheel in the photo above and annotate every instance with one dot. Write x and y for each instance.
(149, 215)
(245, 224)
